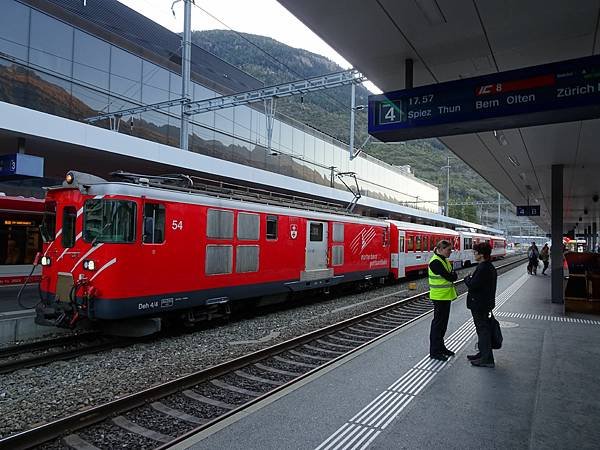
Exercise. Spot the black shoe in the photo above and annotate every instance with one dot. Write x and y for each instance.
(448, 352)
(478, 363)
(474, 357)
(439, 357)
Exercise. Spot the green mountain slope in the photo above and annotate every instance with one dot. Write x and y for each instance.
(328, 111)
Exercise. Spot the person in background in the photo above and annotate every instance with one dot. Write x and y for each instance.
(481, 300)
(441, 292)
(545, 257)
(533, 254)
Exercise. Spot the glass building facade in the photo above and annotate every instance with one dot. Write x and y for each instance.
(79, 73)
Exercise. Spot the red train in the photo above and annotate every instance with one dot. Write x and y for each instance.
(145, 250)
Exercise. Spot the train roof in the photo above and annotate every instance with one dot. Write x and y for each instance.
(170, 195)
(425, 228)
(21, 204)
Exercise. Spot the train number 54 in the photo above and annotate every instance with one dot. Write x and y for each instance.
(177, 224)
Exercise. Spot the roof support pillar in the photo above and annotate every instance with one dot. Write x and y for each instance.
(557, 234)
(594, 236)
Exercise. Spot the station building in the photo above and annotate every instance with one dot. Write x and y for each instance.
(62, 61)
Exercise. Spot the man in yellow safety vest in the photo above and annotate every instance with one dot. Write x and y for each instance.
(441, 293)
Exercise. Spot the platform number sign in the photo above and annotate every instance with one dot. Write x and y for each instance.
(390, 112)
(528, 210)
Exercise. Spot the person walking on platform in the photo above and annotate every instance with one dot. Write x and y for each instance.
(532, 254)
(441, 293)
(545, 257)
(481, 300)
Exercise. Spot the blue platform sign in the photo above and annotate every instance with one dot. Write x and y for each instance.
(551, 93)
(20, 165)
(528, 210)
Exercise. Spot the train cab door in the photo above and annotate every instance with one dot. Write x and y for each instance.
(316, 245)
(401, 254)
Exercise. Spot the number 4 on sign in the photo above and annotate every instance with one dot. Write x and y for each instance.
(177, 225)
(390, 115)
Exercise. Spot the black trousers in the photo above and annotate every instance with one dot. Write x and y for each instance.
(441, 313)
(484, 335)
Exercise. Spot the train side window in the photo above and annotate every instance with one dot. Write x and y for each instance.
(247, 226)
(154, 223)
(246, 258)
(337, 255)
(418, 240)
(338, 232)
(401, 244)
(218, 260)
(219, 224)
(271, 227)
(68, 234)
(410, 243)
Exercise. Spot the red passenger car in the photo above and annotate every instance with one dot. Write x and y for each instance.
(124, 250)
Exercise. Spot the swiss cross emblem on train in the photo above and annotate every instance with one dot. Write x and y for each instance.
(293, 231)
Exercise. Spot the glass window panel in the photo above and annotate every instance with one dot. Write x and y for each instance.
(109, 221)
(202, 140)
(91, 60)
(51, 53)
(152, 125)
(286, 137)
(328, 156)
(224, 120)
(175, 86)
(223, 144)
(309, 148)
(156, 76)
(126, 74)
(259, 127)
(174, 131)
(43, 91)
(242, 122)
(318, 150)
(298, 142)
(14, 30)
(260, 159)
(87, 101)
(201, 92)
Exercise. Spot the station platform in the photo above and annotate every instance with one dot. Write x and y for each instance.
(17, 274)
(543, 392)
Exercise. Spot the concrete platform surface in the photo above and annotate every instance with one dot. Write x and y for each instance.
(543, 392)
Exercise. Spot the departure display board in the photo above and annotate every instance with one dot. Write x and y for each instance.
(551, 93)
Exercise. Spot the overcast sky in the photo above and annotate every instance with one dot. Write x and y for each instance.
(263, 17)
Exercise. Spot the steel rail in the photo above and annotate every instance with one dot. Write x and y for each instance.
(69, 424)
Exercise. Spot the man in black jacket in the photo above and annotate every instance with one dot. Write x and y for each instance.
(481, 300)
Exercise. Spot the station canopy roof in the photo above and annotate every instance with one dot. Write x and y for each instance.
(453, 39)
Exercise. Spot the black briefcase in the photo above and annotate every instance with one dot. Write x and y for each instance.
(496, 333)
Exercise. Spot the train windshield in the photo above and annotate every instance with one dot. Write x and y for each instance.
(110, 221)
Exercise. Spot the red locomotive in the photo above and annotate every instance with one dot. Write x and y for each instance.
(143, 250)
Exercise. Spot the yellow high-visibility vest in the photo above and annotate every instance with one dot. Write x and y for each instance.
(439, 287)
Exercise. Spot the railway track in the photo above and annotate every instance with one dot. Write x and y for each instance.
(167, 413)
(61, 349)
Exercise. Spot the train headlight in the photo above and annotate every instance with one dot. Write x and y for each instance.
(89, 265)
(69, 178)
(45, 261)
